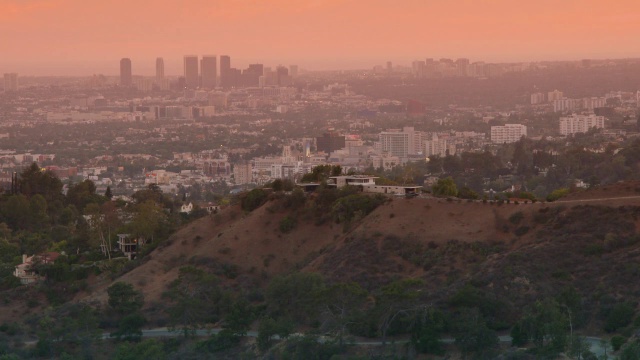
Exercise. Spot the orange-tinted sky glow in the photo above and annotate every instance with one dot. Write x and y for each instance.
(80, 37)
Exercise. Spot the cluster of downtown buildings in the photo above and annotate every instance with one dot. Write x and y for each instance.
(205, 73)
(210, 87)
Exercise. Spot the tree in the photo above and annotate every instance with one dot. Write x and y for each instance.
(631, 351)
(580, 348)
(151, 193)
(321, 173)
(342, 304)
(467, 193)
(253, 199)
(353, 206)
(34, 180)
(239, 318)
(148, 220)
(194, 299)
(617, 341)
(130, 327)
(426, 331)
(547, 325)
(445, 187)
(67, 324)
(124, 299)
(269, 328)
(108, 193)
(82, 194)
(147, 349)
(398, 300)
(277, 185)
(619, 317)
(17, 212)
(557, 194)
(126, 303)
(295, 295)
(38, 218)
(472, 336)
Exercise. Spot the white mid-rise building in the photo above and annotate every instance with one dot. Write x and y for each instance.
(593, 102)
(575, 124)
(402, 143)
(538, 98)
(561, 105)
(242, 173)
(508, 133)
(439, 146)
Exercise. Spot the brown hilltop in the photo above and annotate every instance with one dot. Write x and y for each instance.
(517, 252)
(254, 244)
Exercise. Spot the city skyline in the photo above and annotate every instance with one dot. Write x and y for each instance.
(317, 35)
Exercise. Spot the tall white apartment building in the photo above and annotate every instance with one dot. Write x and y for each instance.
(508, 133)
(580, 123)
(402, 143)
(242, 173)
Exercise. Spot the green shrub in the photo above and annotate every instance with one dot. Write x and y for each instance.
(617, 341)
(557, 194)
(346, 208)
(516, 217)
(619, 317)
(224, 340)
(445, 187)
(253, 199)
(287, 224)
(593, 249)
(522, 230)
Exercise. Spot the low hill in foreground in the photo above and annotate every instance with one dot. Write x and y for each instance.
(498, 258)
(515, 252)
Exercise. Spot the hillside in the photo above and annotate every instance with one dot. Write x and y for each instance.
(495, 258)
(253, 243)
(519, 257)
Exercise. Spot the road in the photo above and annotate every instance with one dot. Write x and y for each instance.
(600, 199)
(594, 342)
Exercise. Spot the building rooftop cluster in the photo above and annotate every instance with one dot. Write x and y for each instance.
(205, 129)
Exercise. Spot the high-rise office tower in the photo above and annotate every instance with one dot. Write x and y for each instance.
(10, 82)
(125, 72)
(209, 71)
(225, 71)
(251, 75)
(293, 70)
(283, 76)
(191, 76)
(159, 68)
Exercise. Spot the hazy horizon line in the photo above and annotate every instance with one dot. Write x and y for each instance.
(242, 63)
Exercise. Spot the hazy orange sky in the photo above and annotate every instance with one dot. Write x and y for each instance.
(79, 37)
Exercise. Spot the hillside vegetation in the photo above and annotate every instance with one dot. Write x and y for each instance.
(348, 265)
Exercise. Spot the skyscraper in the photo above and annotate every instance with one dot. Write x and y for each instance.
(293, 70)
(283, 76)
(125, 72)
(209, 71)
(191, 76)
(10, 82)
(159, 68)
(251, 75)
(225, 71)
